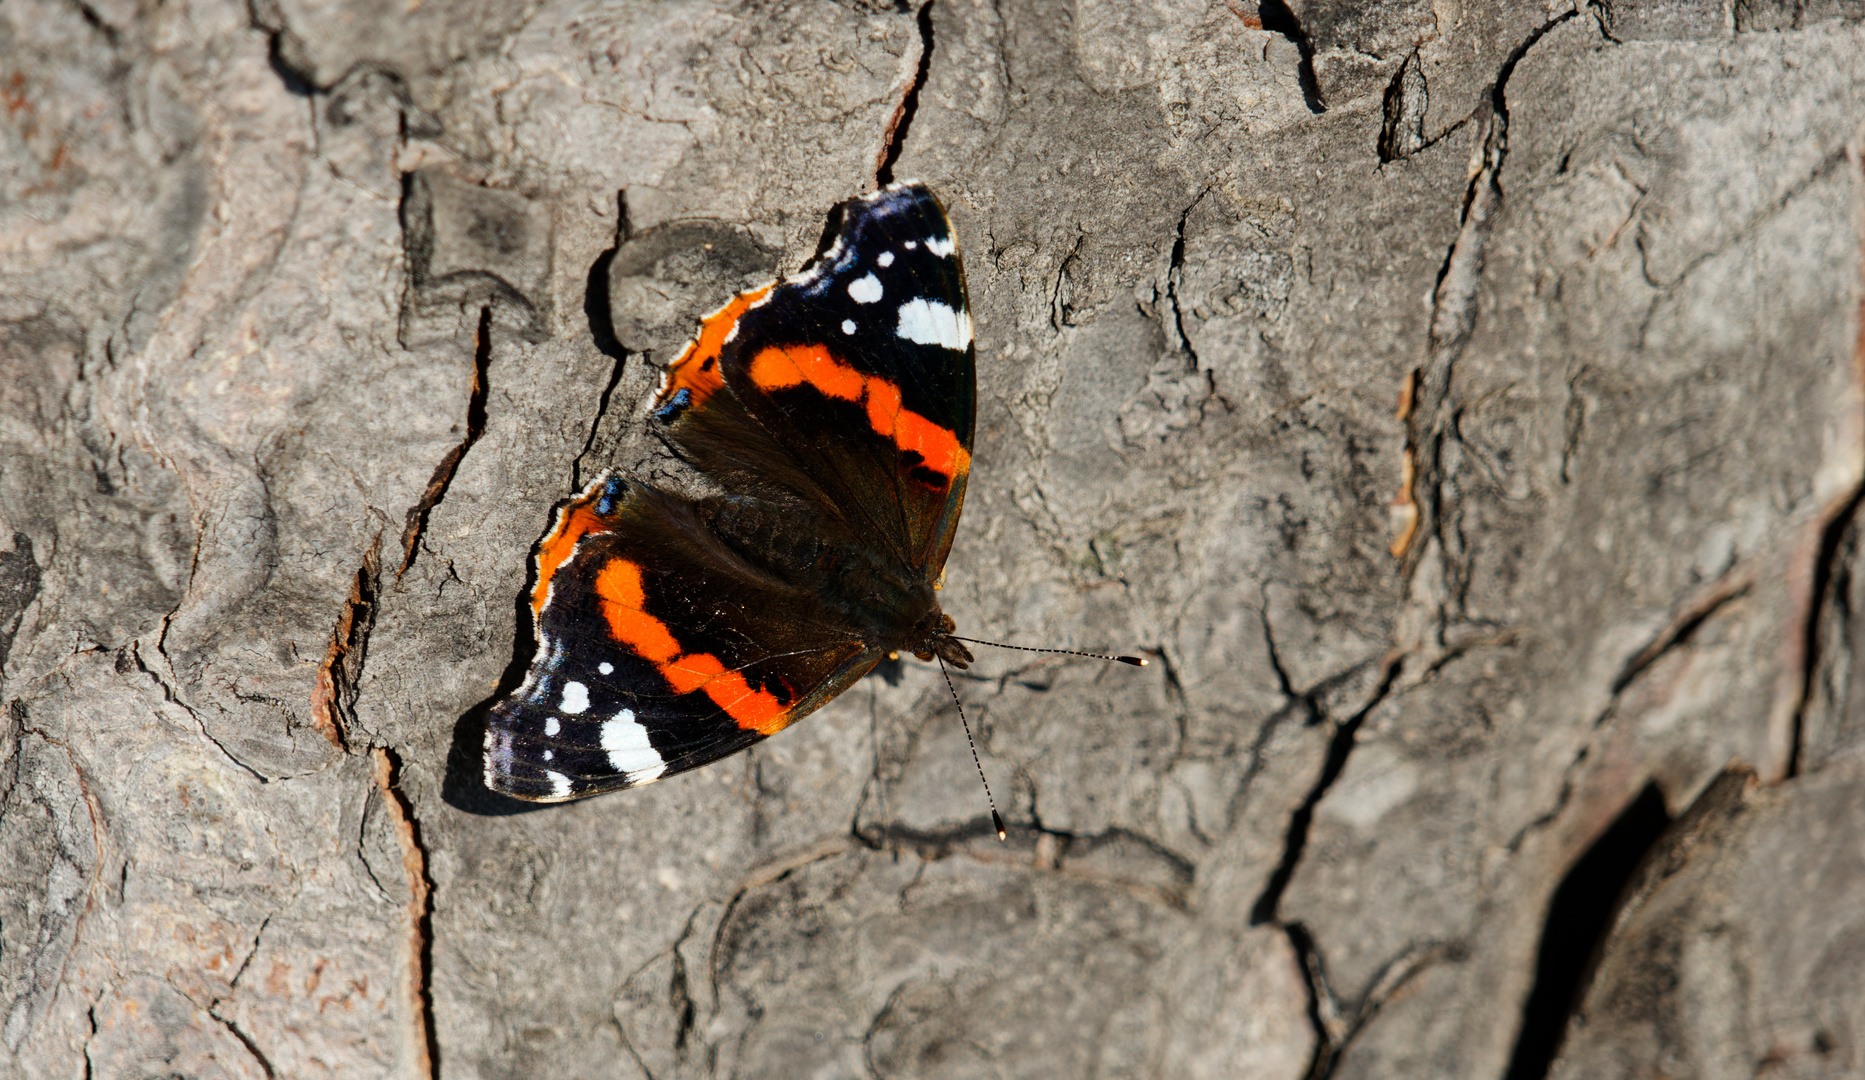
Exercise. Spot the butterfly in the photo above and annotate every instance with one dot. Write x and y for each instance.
(831, 414)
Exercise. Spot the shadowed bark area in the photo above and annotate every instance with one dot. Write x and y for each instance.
(1461, 408)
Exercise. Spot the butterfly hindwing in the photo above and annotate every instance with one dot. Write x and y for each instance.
(655, 654)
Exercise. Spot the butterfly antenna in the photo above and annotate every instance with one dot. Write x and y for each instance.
(996, 822)
(1136, 661)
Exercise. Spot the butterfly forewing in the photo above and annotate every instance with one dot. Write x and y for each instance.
(866, 362)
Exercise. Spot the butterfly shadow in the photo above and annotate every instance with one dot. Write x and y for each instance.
(463, 787)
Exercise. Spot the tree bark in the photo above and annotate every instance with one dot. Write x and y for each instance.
(1461, 403)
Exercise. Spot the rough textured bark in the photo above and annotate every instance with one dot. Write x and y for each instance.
(1460, 401)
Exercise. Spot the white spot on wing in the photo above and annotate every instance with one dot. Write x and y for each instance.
(941, 246)
(909, 244)
(551, 726)
(865, 289)
(848, 326)
(885, 258)
(575, 698)
(606, 668)
(629, 750)
(930, 322)
(549, 754)
(559, 784)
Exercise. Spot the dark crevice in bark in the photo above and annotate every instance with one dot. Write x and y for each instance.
(296, 82)
(687, 1037)
(902, 122)
(935, 844)
(1432, 416)
(1174, 271)
(1342, 1027)
(170, 695)
(475, 426)
(250, 953)
(1061, 312)
(420, 904)
(1277, 18)
(265, 1063)
(1687, 622)
(596, 288)
(1828, 566)
(602, 332)
(90, 1015)
(1499, 91)
(1339, 749)
(1402, 111)
(1320, 1002)
(1579, 916)
(679, 995)
(595, 423)
(96, 22)
(1392, 108)
(1304, 700)
(1561, 797)
(1602, 17)
(332, 696)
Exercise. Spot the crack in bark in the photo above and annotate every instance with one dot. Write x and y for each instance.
(265, 1063)
(1175, 270)
(1061, 313)
(1331, 1033)
(475, 426)
(1831, 554)
(894, 138)
(333, 694)
(1310, 707)
(1666, 289)
(170, 695)
(1337, 1025)
(1276, 17)
(602, 331)
(1813, 647)
(1578, 920)
(1402, 127)
(234, 982)
(90, 1015)
(1340, 747)
(1692, 613)
(1689, 618)
(1432, 415)
(425, 1037)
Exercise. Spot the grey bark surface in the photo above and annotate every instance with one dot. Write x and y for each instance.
(1460, 402)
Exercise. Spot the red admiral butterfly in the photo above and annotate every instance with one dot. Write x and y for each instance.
(833, 411)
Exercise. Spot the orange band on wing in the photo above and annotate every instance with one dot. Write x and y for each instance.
(754, 710)
(697, 369)
(619, 592)
(575, 521)
(783, 367)
(618, 588)
(938, 446)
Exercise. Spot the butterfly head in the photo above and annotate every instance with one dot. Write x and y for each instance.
(934, 637)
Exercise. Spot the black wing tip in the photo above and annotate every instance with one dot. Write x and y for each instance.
(903, 198)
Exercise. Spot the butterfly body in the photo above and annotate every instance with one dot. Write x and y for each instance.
(831, 416)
